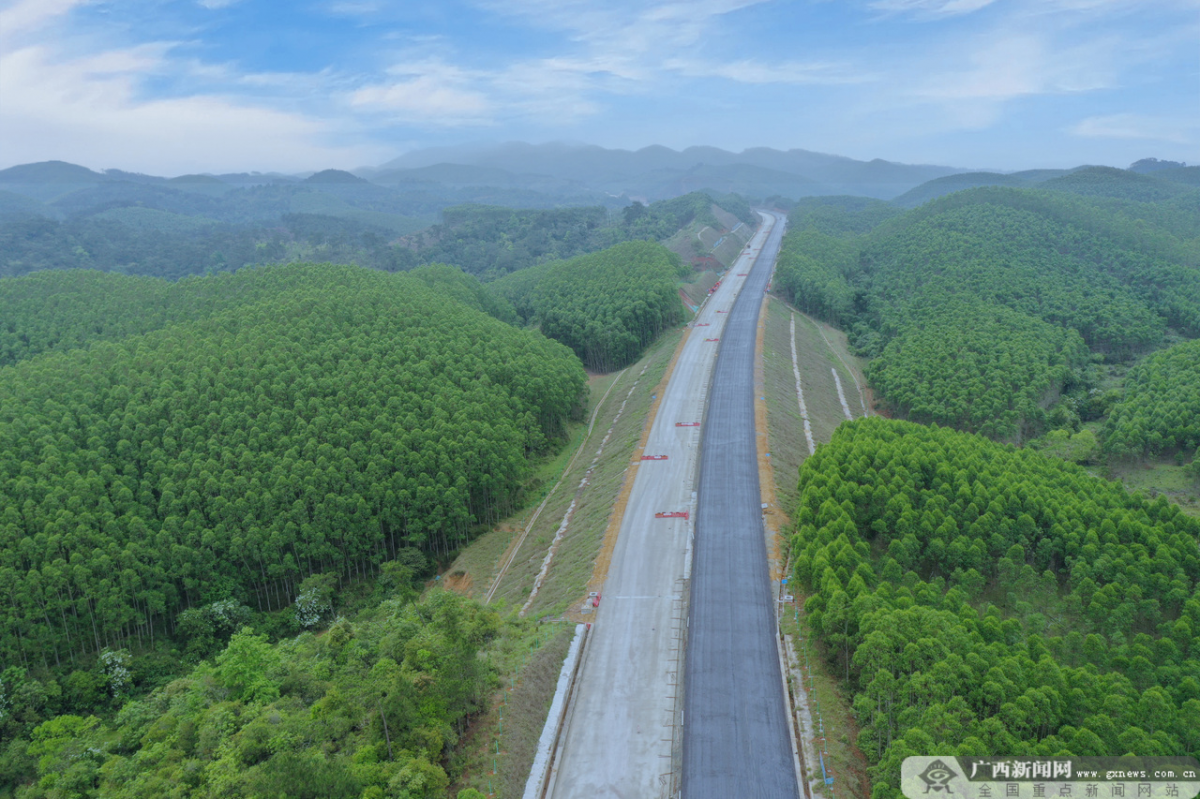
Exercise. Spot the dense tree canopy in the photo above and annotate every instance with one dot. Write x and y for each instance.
(1161, 408)
(145, 241)
(373, 708)
(333, 417)
(161, 231)
(466, 288)
(607, 306)
(492, 242)
(975, 366)
(841, 216)
(813, 272)
(1111, 272)
(982, 599)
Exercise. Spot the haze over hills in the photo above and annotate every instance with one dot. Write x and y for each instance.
(59, 215)
(657, 171)
(1094, 181)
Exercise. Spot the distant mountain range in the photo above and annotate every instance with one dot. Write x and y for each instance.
(1091, 181)
(659, 172)
(409, 192)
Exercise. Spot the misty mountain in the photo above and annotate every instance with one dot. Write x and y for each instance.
(333, 176)
(48, 180)
(973, 180)
(1087, 181)
(657, 171)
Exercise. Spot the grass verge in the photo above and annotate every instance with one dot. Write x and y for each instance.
(575, 561)
(816, 356)
(830, 706)
(475, 568)
(499, 751)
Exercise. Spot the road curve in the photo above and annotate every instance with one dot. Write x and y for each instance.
(735, 731)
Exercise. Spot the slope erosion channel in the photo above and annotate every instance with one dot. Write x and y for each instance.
(621, 737)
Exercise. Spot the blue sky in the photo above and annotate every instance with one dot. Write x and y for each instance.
(176, 86)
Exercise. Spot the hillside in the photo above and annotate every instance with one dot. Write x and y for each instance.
(910, 287)
(980, 598)
(491, 242)
(607, 306)
(939, 187)
(373, 705)
(1101, 181)
(60, 216)
(1089, 181)
(1160, 409)
(272, 439)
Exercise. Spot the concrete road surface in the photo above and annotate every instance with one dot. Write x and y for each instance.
(618, 740)
(736, 741)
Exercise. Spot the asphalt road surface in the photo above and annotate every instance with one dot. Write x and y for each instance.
(619, 735)
(736, 741)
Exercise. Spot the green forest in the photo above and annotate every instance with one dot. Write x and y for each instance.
(343, 417)
(491, 242)
(169, 231)
(978, 598)
(607, 306)
(1160, 410)
(191, 471)
(370, 708)
(1051, 282)
(195, 472)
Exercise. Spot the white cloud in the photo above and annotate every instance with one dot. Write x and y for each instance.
(624, 27)
(355, 8)
(26, 15)
(788, 72)
(930, 8)
(425, 98)
(89, 110)
(1136, 126)
(974, 83)
(1016, 65)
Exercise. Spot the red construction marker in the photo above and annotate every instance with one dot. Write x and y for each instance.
(678, 514)
(703, 324)
(712, 339)
(654, 457)
(687, 424)
(722, 311)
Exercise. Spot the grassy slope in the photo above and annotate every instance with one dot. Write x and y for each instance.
(698, 239)
(531, 655)
(533, 659)
(476, 566)
(1161, 476)
(788, 451)
(817, 355)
